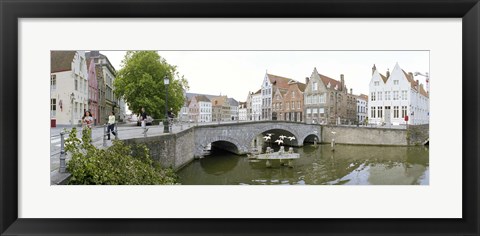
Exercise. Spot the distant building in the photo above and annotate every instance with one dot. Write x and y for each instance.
(293, 102)
(278, 105)
(395, 96)
(242, 111)
(220, 109)
(362, 108)
(108, 74)
(327, 100)
(233, 108)
(193, 110)
(68, 86)
(205, 108)
(269, 85)
(92, 90)
(256, 106)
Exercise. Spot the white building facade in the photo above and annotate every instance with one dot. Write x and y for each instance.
(257, 106)
(397, 99)
(68, 87)
(242, 111)
(205, 112)
(362, 108)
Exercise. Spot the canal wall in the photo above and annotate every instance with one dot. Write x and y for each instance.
(170, 150)
(414, 135)
(364, 136)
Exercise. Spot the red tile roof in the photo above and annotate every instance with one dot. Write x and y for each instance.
(61, 60)
(333, 83)
(278, 81)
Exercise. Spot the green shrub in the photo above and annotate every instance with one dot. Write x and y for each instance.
(115, 165)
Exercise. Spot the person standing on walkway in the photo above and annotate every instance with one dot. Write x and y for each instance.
(87, 121)
(111, 125)
(143, 119)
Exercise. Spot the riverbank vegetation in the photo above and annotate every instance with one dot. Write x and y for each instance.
(118, 164)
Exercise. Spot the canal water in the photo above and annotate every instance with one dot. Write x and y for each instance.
(318, 165)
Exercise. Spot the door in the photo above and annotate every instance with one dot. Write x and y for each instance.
(387, 116)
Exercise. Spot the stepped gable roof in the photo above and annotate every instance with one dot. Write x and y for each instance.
(61, 60)
(202, 98)
(279, 81)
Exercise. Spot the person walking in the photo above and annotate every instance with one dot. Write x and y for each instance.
(143, 119)
(111, 125)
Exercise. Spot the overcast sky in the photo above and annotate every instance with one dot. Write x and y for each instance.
(235, 73)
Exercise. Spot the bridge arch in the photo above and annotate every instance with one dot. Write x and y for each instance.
(309, 137)
(238, 147)
(267, 127)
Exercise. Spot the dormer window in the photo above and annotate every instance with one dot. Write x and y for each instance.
(395, 82)
(376, 83)
(336, 87)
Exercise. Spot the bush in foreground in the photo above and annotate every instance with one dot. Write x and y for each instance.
(118, 164)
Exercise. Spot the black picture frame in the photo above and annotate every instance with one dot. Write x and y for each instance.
(12, 10)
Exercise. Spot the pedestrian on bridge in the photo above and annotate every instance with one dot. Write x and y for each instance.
(111, 125)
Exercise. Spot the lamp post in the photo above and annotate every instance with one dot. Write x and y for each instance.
(72, 98)
(166, 81)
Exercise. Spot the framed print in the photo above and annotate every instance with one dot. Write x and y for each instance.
(416, 41)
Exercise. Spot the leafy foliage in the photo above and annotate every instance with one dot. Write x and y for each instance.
(141, 83)
(114, 165)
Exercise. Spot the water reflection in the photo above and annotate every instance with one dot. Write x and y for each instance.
(318, 165)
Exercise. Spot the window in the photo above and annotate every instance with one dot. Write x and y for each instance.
(395, 82)
(373, 96)
(309, 111)
(376, 83)
(322, 98)
(321, 110)
(53, 107)
(395, 95)
(380, 112)
(315, 86)
(404, 111)
(76, 85)
(404, 94)
(379, 96)
(387, 95)
(373, 112)
(293, 94)
(395, 112)
(53, 81)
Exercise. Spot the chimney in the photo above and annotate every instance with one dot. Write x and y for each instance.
(351, 91)
(388, 73)
(342, 81)
(307, 80)
(417, 85)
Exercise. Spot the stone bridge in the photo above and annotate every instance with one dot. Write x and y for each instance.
(241, 137)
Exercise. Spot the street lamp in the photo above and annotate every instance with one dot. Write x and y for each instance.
(166, 81)
(72, 98)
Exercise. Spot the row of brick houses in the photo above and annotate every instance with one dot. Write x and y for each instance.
(320, 99)
(81, 81)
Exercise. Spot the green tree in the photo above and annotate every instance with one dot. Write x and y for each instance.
(141, 83)
(118, 164)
